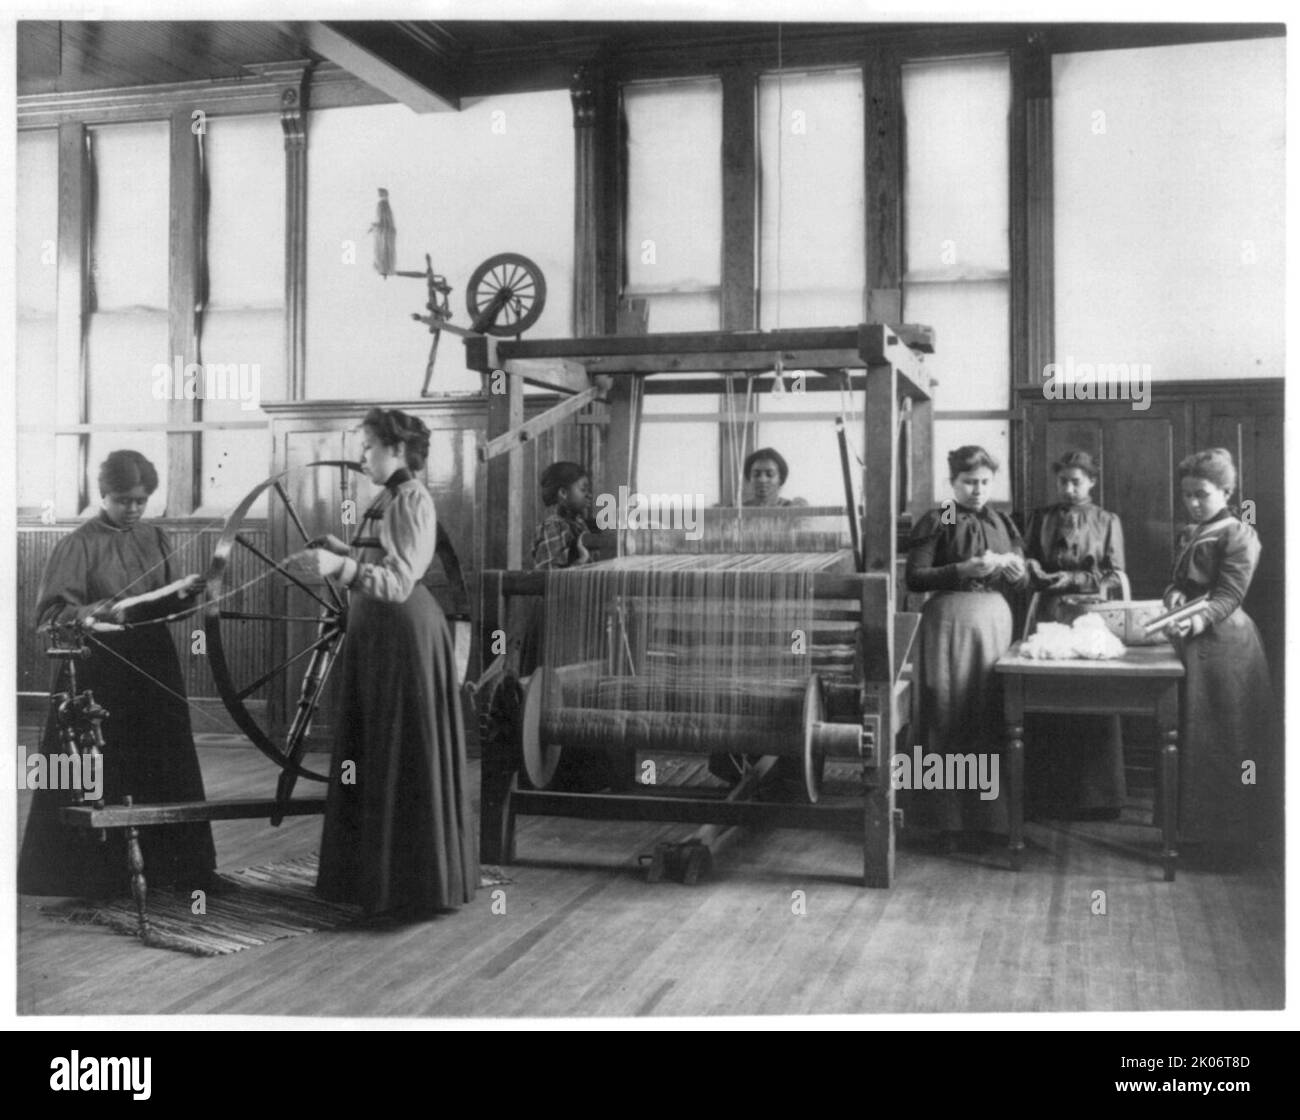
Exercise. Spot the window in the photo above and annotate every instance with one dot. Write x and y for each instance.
(957, 222)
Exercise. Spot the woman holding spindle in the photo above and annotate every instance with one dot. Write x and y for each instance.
(1230, 787)
(111, 581)
(969, 555)
(1074, 550)
(398, 837)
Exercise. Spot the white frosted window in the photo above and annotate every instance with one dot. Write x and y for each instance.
(679, 458)
(496, 177)
(245, 165)
(36, 372)
(37, 191)
(812, 210)
(131, 210)
(1170, 199)
(674, 209)
(957, 221)
(972, 324)
(123, 353)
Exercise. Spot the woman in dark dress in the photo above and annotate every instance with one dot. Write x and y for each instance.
(399, 833)
(1074, 548)
(134, 673)
(970, 556)
(1230, 764)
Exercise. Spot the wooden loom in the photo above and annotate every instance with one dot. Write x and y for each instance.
(861, 721)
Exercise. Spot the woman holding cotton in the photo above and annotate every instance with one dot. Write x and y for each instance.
(970, 556)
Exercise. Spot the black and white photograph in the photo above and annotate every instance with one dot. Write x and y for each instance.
(623, 514)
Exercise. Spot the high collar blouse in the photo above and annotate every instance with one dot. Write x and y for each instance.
(948, 536)
(99, 562)
(1216, 557)
(1083, 539)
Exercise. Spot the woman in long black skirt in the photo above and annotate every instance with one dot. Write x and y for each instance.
(969, 555)
(399, 833)
(1230, 758)
(134, 673)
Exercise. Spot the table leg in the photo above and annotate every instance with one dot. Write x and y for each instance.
(1167, 725)
(1015, 758)
(135, 865)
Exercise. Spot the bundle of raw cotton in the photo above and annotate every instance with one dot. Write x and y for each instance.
(1088, 638)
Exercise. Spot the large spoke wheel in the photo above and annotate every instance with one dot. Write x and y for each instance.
(302, 625)
(505, 295)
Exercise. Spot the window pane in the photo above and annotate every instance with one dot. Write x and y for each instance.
(674, 221)
(1170, 208)
(972, 351)
(37, 401)
(122, 351)
(131, 214)
(957, 167)
(245, 170)
(679, 459)
(37, 192)
(812, 211)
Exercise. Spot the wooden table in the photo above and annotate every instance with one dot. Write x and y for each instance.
(1147, 680)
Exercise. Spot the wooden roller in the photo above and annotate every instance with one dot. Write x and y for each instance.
(546, 732)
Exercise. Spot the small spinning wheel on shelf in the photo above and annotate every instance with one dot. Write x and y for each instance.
(505, 296)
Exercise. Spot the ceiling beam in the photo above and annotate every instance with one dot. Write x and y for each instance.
(394, 58)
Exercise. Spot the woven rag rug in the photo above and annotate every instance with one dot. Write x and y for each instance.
(255, 905)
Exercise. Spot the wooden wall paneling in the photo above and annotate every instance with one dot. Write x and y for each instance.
(1252, 428)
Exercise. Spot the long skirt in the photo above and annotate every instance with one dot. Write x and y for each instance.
(1074, 765)
(399, 831)
(963, 633)
(149, 755)
(1230, 758)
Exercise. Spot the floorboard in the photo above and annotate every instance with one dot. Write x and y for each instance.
(584, 935)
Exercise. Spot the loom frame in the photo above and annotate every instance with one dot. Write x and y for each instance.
(883, 363)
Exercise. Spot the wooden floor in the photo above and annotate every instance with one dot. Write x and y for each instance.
(584, 935)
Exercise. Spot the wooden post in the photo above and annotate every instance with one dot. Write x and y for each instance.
(883, 83)
(293, 120)
(74, 258)
(184, 478)
(503, 531)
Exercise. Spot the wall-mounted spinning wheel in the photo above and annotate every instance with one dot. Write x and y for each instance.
(316, 608)
(505, 295)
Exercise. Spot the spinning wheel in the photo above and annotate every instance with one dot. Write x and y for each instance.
(318, 608)
(505, 295)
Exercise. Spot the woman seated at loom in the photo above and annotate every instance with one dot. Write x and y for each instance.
(1074, 550)
(766, 472)
(563, 540)
(970, 556)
